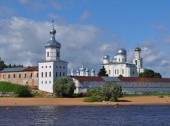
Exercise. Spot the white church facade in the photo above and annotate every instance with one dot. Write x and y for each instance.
(52, 67)
(119, 65)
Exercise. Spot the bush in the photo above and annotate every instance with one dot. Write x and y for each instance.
(24, 91)
(109, 92)
(94, 98)
(64, 87)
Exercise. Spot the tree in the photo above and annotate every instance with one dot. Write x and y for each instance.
(102, 72)
(64, 87)
(150, 74)
(2, 64)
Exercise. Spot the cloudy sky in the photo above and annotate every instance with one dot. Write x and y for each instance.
(87, 30)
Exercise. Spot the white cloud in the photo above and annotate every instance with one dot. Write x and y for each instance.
(22, 42)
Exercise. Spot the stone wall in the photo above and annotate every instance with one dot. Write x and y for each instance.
(29, 78)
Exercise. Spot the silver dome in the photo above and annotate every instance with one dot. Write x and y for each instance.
(53, 43)
(82, 68)
(137, 49)
(86, 70)
(121, 51)
(106, 57)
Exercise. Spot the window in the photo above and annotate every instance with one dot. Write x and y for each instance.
(31, 75)
(42, 67)
(58, 54)
(41, 74)
(14, 75)
(8, 75)
(48, 54)
(136, 62)
(19, 75)
(45, 82)
(49, 66)
(37, 74)
(45, 74)
(60, 74)
(49, 74)
(25, 75)
(41, 82)
(63, 74)
(3, 76)
(133, 72)
(115, 71)
(56, 74)
(122, 71)
(49, 82)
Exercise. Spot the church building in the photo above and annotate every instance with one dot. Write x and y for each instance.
(119, 65)
(52, 67)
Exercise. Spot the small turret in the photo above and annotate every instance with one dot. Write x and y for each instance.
(106, 59)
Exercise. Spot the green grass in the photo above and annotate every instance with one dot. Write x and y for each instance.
(9, 87)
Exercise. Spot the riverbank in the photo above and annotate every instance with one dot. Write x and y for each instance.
(138, 100)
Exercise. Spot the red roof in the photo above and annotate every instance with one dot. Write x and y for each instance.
(33, 68)
(88, 78)
(138, 79)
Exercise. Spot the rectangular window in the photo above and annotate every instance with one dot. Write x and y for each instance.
(37, 74)
(60, 74)
(41, 74)
(25, 75)
(49, 74)
(56, 74)
(63, 74)
(3, 76)
(8, 75)
(14, 75)
(48, 54)
(58, 54)
(31, 75)
(19, 75)
(45, 74)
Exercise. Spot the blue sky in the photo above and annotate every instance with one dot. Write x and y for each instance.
(87, 30)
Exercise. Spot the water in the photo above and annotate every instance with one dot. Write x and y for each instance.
(156, 115)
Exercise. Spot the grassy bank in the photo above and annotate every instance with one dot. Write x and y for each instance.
(17, 90)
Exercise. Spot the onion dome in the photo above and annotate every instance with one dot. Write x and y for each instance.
(52, 42)
(82, 68)
(106, 57)
(121, 51)
(86, 70)
(137, 49)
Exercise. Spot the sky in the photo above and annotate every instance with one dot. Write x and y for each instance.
(87, 30)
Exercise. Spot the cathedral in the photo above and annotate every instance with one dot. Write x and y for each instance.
(119, 65)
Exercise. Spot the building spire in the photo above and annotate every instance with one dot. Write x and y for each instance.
(53, 31)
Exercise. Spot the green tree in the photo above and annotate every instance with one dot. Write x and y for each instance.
(64, 87)
(150, 74)
(102, 72)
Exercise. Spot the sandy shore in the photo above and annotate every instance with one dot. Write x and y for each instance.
(138, 100)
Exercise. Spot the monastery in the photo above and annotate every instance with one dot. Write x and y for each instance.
(52, 67)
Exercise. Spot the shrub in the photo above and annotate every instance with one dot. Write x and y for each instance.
(64, 87)
(109, 92)
(94, 98)
(24, 91)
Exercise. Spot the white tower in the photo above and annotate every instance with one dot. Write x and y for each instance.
(52, 48)
(52, 68)
(137, 59)
(121, 56)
